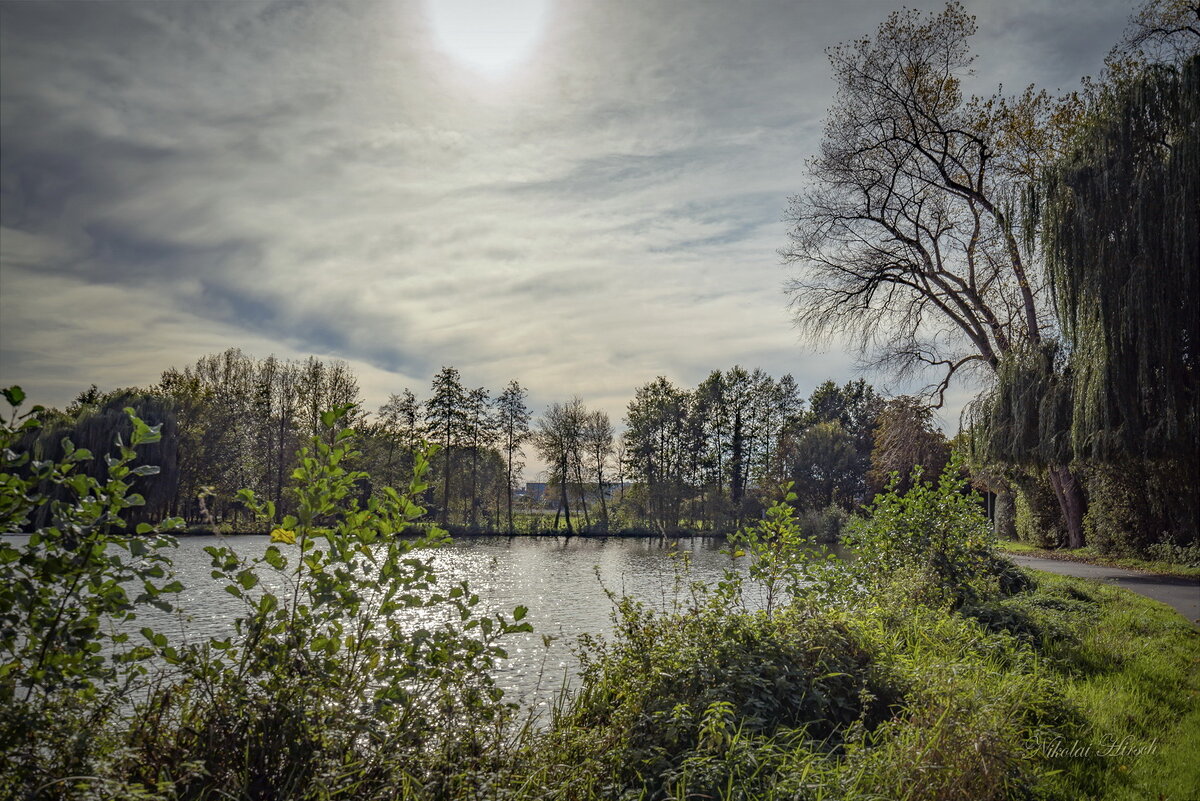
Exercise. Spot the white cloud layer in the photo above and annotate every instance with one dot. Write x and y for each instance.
(177, 178)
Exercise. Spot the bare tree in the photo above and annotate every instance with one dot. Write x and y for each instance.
(399, 420)
(557, 440)
(597, 439)
(908, 241)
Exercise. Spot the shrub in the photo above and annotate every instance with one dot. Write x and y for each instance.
(69, 597)
(1037, 515)
(675, 693)
(824, 525)
(1171, 551)
(333, 685)
(1137, 504)
(939, 529)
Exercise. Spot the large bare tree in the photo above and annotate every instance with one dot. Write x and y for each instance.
(909, 241)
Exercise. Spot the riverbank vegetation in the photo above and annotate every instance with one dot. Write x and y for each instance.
(929, 664)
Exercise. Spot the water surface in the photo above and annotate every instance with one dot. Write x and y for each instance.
(564, 581)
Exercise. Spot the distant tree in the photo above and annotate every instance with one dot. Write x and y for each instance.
(400, 423)
(739, 398)
(479, 434)
(654, 452)
(855, 407)
(225, 430)
(709, 429)
(577, 416)
(445, 420)
(556, 439)
(94, 421)
(822, 461)
(277, 400)
(905, 437)
(597, 440)
(512, 418)
(778, 405)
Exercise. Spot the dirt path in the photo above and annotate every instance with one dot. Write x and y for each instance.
(1182, 594)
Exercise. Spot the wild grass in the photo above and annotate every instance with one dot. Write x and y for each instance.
(1092, 695)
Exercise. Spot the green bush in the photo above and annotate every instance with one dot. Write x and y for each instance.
(674, 691)
(69, 597)
(1171, 551)
(1136, 504)
(331, 687)
(938, 529)
(1038, 517)
(824, 525)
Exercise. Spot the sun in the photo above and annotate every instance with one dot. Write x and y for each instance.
(488, 35)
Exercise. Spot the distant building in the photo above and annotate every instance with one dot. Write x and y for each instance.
(613, 490)
(534, 490)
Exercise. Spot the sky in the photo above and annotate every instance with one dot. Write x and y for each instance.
(581, 198)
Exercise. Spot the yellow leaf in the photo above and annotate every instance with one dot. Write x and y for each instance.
(283, 535)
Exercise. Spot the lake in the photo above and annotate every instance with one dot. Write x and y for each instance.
(562, 580)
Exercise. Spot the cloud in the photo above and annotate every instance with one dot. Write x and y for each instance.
(291, 177)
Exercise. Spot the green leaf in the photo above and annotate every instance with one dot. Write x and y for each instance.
(520, 612)
(14, 395)
(274, 558)
(247, 579)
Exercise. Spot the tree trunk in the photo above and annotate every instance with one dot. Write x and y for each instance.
(565, 497)
(1070, 500)
(508, 476)
(600, 485)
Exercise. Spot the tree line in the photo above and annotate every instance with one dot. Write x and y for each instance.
(703, 459)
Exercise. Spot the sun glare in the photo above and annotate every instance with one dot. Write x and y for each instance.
(488, 35)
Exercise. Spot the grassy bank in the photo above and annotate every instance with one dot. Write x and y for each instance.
(1089, 555)
(1067, 690)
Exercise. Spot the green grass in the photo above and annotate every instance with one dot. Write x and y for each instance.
(1132, 669)
(1091, 556)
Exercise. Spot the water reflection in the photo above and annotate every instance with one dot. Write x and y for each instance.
(565, 583)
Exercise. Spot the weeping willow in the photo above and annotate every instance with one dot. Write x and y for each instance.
(98, 428)
(1026, 420)
(1121, 231)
